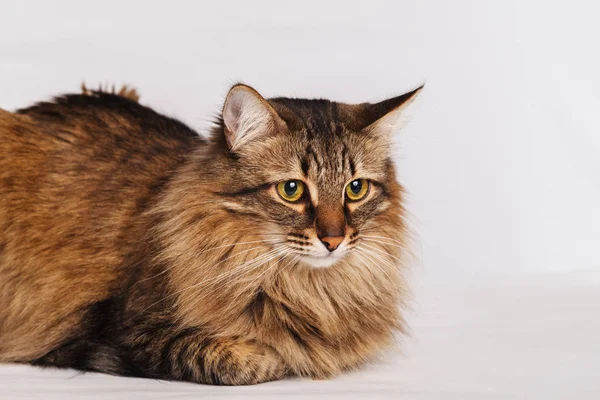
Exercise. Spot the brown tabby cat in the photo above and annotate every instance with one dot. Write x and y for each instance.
(131, 245)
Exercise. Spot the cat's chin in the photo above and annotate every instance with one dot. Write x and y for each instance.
(321, 261)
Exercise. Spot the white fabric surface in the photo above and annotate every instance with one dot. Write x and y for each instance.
(533, 337)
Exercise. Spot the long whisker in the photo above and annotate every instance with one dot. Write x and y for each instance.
(256, 263)
(247, 267)
(242, 270)
(401, 244)
(376, 265)
(380, 258)
(206, 251)
(294, 261)
(238, 253)
(257, 278)
(384, 253)
(359, 254)
(217, 278)
(384, 243)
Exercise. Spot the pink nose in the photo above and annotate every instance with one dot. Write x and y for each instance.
(332, 242)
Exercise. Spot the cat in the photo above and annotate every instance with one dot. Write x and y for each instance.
(131, 245)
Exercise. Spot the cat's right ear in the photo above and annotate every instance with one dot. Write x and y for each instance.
(247, 116)
(380, 118)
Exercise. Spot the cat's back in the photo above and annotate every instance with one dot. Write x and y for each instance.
(75, 173)
(85, 156)
(101, 130)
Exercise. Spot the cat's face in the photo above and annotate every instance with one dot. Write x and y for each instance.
(314, 173)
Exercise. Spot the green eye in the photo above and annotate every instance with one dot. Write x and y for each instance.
(357, 189)
(290, 190)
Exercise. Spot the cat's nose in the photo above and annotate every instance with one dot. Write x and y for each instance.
(332, 242)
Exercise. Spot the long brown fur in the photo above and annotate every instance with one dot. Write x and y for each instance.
(130, 245)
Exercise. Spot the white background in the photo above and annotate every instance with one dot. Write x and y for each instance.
(501, 157)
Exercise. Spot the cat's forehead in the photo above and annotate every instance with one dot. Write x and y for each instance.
(320, 145)
(337, 158)
(313, 117)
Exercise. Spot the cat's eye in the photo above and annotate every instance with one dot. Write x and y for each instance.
(357, 189)
(290, 190)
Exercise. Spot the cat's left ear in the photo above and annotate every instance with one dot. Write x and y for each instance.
(383, 117)
(247, 116)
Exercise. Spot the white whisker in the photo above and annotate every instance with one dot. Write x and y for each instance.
(247, 267)
(271, 241)
(294, 260)
(380, 258)
(256, 279)
(375, 264)
(216, 278)
(401, 244)
(247, 270)
(241, 270)
(383, 252)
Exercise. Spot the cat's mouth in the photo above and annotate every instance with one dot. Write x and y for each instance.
(322, 261)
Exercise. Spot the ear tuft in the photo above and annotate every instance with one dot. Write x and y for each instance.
(247, 116)
(383, 117)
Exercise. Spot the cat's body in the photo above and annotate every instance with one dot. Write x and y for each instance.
(130, 245)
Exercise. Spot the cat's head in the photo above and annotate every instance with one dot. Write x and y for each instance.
(315, 176)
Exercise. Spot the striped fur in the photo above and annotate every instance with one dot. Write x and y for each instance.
(130, 245)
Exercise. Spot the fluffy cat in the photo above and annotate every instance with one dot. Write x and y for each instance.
(131, 245)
